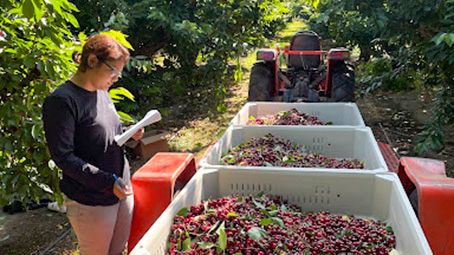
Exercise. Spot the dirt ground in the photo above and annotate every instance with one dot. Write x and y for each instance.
(33, 231)
(397, 118)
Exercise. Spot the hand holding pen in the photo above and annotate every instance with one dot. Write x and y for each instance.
(120, 189)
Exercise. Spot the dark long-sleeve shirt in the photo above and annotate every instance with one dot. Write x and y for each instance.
(80, 127)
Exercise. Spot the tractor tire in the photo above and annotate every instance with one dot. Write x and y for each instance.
(343, 83)
(260, 82)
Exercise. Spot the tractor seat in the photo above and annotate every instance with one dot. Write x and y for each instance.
(305, 40)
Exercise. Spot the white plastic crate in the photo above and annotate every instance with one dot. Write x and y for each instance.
(342, 114)
(334, 142)
(368, 195)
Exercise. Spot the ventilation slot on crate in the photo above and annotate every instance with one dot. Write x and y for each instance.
(249, 188)
(315, 113)
(322, 194)
(293, 199)
(317, 144)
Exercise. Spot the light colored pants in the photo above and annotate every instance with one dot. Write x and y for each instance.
(101, 230)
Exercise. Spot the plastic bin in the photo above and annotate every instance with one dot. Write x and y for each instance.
(369, 195)
(342, 114)
(155, 185)
(334, 142)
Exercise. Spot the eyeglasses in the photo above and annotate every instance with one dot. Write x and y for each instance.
(114, 73)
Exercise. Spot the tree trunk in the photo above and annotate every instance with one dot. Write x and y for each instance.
(366, 52)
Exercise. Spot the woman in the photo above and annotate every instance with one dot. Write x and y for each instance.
(80, 123)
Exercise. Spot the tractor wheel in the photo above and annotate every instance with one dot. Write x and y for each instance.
(343, 83)
(260, 83)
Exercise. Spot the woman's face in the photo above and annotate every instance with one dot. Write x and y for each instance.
(108, 72)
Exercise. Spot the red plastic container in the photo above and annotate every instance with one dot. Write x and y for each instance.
(435, 200)
(155, 185)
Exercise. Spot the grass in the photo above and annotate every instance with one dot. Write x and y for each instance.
(284, 37)
(200, 133)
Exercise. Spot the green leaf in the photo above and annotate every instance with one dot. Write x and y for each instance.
(38, 4)
(124, 117)
(256, 233)
(265, 222)
(82, 37)
(257, 204)
(273, 212)
(187, 244)
(283, 208)
(179, 245)
(393, 252)
(56, 5)
(35, 132)
(28, 9)
(206, 245)
(238, 73)
(340, 234)
(380, 23)
(4, 238)
(315, 3)
(50, 69)
(389, 229)
(278, 148)
(29, 62)
(72, 7)
(72, 20)
(38, 9)
(439, 38)
(278, 221)
(346, 218)
(120, 93)
(183, 212)
(222, 237)
(120, 37)
(245, 217)
(260, 194)
(451, 39)
(214, 227)
(265, 212)
(232, 214)
(8, 147)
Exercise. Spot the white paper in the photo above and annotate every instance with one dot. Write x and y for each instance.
(151, 117)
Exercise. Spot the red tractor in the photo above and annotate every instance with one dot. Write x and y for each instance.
(311, 74)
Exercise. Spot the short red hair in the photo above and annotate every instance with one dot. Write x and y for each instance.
(104, 48)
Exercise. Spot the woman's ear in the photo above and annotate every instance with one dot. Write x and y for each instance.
(92, 60)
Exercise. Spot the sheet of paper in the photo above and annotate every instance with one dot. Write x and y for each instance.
(151, 117)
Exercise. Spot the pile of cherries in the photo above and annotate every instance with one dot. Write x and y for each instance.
(272, 150)
(268, 225)
(291, 117)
